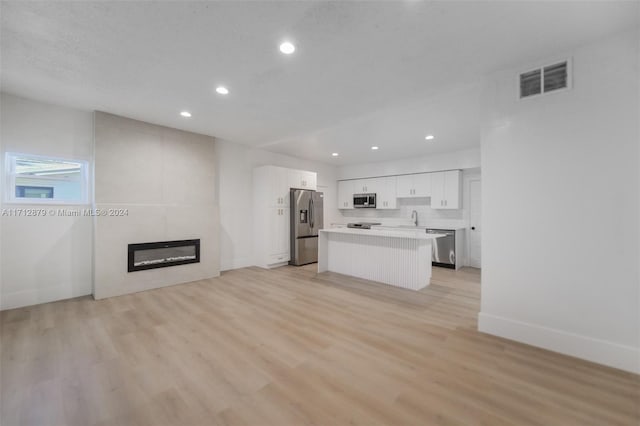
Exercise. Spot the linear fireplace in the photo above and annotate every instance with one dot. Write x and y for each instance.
(163, 254)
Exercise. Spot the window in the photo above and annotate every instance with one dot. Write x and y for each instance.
(37, 179)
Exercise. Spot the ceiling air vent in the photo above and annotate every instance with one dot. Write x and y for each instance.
(544, 79)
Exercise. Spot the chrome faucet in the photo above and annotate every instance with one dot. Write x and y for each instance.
(414, 218)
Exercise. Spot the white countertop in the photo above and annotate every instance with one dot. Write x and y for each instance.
(419, 228)
(404, 227)
(414, 234)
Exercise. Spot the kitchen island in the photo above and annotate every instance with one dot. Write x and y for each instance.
(398, 258)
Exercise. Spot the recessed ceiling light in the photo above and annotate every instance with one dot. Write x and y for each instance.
(186, 114)
(335, 154)
(429, 137)
(375, 148)
(222, 90)
(287, 48)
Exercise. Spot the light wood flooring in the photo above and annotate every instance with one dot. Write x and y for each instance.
(289, 347)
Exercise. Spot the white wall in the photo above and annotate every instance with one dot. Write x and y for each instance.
(166, 181)
(235, 164)
(43, 258)
(561, 209)
(466, 159)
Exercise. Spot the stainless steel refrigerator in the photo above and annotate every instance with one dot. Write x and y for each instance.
(306, 219)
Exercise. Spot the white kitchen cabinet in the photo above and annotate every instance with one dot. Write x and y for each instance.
(278, 249)
(301, 179)
(345, 194)
(366, 186)
(278, 184)
(386, 193)
(414, 186)
(445, 190)
(384, 188)
(271, 213)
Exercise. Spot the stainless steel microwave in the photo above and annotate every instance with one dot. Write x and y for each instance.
(364, 201)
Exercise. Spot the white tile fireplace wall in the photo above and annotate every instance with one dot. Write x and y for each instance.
(165, 179)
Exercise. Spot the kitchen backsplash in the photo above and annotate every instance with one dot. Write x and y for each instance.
(402, 216)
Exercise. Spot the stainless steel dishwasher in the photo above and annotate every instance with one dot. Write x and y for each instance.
(444, 248)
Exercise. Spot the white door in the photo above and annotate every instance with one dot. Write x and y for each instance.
(475, 223)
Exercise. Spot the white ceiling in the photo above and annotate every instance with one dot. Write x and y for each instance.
(364, 73)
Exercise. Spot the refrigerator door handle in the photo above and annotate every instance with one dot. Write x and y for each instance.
(311, 212)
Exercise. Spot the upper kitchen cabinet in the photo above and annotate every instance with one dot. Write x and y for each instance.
(414, 186)
(278, 187)
(385, 190)
(366, 186)
(301, 179)
(273, 186)
(345, 194)
(445, 190)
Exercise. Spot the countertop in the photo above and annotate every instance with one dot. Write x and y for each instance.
(419, 228)
(409, 233)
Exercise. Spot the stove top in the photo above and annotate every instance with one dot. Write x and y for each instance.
(362, 225)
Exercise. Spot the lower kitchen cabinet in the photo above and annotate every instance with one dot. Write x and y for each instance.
(278, 249)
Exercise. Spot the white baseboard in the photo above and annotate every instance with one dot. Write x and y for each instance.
(600, 351)
(241, 262)
(20, 299)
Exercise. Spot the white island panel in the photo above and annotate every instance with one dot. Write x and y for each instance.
(400, 259)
